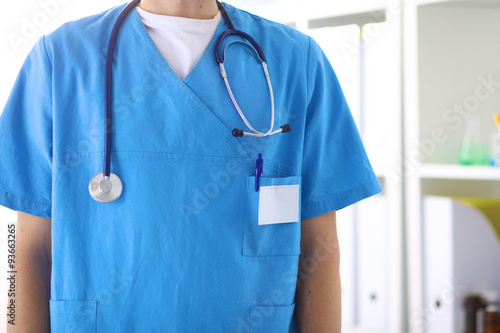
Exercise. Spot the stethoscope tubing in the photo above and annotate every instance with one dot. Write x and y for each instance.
(109, 80)
(106, 186)
(240, 112)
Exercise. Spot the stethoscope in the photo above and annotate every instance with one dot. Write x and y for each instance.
(106, 186)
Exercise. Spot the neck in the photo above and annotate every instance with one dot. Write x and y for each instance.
(196, 9)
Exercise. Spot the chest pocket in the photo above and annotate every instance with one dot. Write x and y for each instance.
(272, 217)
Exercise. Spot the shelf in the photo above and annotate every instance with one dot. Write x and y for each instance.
(459, 181)
(293, 11)
(357, 330)
(475, 2)
(430, 2)
(450, 171)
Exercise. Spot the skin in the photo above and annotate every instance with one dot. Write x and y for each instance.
(33, 262)
(317, 299)
(318, 295)
(196, 9)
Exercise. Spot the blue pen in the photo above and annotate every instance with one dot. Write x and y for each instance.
(258, 171)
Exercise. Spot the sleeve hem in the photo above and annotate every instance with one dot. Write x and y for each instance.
(25, 205)
(316, 208)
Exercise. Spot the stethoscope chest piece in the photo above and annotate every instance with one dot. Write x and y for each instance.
(105, 189)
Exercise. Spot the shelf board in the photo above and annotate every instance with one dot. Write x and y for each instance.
(459, 181)
(445, 171)
(475, 2)
(357, 330)
(430, 2)
(294, 10)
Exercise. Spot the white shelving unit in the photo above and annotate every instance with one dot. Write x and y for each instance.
(459, 181)
(457, 172)
(456, 236)
(449, 51)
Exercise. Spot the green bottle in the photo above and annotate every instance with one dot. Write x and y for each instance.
(473, 150)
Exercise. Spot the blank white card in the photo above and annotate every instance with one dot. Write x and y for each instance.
(278, 204)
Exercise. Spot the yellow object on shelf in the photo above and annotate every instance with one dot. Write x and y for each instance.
(490, 207)
(496, 117)
(495, 145)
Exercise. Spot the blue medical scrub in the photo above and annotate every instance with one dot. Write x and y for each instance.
(181, 250)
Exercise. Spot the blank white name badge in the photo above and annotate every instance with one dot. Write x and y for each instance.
(279, 204)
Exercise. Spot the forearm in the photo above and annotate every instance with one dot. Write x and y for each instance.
(32, 283)
(318, 294)
(32, 294)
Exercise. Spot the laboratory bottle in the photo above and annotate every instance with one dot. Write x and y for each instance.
(491, 317)
(473, 150)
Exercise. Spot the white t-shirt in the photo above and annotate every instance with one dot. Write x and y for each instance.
(180, 40)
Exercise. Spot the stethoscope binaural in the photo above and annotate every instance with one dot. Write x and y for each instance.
(106, 186)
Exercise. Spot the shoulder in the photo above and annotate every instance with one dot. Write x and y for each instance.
(84, 34)
(279, 35)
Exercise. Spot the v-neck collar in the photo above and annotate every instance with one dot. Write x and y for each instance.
(201, 62)
(168, 74)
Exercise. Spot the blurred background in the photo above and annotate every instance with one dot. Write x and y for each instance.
(422, 78)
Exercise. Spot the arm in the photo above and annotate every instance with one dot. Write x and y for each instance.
(33, 264)
(318, 295)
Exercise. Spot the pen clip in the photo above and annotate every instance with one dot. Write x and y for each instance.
(258, 171)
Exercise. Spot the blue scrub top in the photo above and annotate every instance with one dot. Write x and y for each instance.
(181, 250)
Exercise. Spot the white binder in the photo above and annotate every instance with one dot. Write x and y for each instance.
(461, 257)
(372, 270)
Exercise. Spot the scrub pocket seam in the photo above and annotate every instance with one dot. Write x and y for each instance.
(280, 239)
(276, 319)
(68, 315)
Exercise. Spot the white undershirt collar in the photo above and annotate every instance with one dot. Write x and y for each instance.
(181, 41)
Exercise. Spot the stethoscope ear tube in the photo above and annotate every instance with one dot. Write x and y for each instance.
(254, 133)
(283, 129)
(219, 56)
(226, 16)
(286, 128)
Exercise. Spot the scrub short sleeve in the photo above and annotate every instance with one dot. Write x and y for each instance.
(336, 171)
(26, 138)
